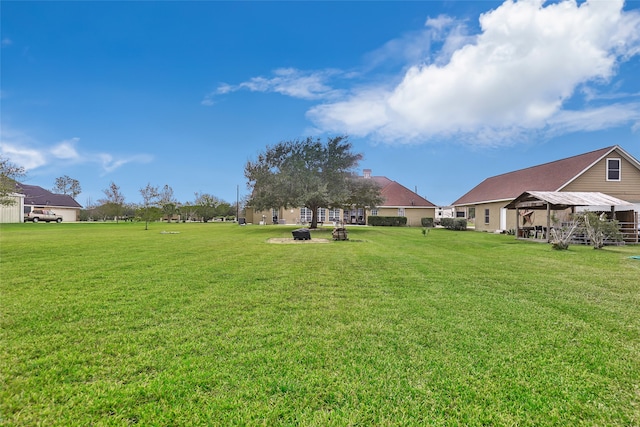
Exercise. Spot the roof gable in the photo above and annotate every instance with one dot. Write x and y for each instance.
(551, 176)
(38, 196)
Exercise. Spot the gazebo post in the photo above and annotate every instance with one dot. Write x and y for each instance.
(547, 234)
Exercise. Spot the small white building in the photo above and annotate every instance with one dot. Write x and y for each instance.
(13, 212)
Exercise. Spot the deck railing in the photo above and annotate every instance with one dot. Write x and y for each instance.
(629, 233)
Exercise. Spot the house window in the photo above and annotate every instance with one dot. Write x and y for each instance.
(400, 211)
(374, 212)
(305, 215)
(322, 217)
(334, 214)
(613, 169)
(486, 216)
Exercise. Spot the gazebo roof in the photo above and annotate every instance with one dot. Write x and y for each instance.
(563, 200)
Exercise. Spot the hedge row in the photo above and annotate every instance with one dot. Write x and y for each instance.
(400, 221)
(454, 223)
(392, 221)
(426, 222)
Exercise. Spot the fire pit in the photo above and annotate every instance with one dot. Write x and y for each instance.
(301, 234)
(340, 233)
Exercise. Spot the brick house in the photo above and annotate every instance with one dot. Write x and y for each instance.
(398, 201)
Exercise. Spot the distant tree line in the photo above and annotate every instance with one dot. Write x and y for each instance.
(297, 173)
(157, 204)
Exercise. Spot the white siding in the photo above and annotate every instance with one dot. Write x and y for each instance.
(13, 213)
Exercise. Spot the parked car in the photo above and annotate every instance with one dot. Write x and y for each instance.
(42, 215)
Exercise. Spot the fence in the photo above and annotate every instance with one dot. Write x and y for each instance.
(629, 233)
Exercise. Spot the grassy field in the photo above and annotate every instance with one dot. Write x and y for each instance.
(211, 325)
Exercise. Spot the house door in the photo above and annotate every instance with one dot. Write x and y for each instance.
(503, 218)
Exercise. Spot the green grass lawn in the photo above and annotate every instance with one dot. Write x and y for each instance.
(109, 324)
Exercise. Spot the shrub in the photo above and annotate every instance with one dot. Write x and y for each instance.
(460, 224)
(426, 222)
(392, 221)
(599, 229)
(561, 233)
(454, 223)
(447, 223)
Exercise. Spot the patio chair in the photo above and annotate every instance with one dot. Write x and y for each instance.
(538, 231)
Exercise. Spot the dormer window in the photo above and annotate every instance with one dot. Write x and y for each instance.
(613, 169)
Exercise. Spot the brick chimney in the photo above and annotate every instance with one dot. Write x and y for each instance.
(366, 173)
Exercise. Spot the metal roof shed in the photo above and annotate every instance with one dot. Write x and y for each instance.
(561, 200)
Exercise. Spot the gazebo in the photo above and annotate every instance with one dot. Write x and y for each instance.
(559, 201)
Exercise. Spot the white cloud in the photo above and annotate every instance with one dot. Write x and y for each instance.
(25, 151)
(19, 148)
(595, 118)
(440, 23)
(66, 149)
(209, 99)
(110, 163)
(28, 158)
(412, 47)
(292, 82)
(517, 75)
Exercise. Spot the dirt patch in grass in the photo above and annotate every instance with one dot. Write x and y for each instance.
(291, 241)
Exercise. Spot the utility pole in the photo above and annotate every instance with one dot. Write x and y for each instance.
(238, 203)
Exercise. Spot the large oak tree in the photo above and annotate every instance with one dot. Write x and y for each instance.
(308, 173)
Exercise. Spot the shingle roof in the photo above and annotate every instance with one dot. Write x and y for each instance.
(395, 194)
(38, 196)
(546, 177)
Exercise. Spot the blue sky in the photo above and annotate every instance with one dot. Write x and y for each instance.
(437, 95)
